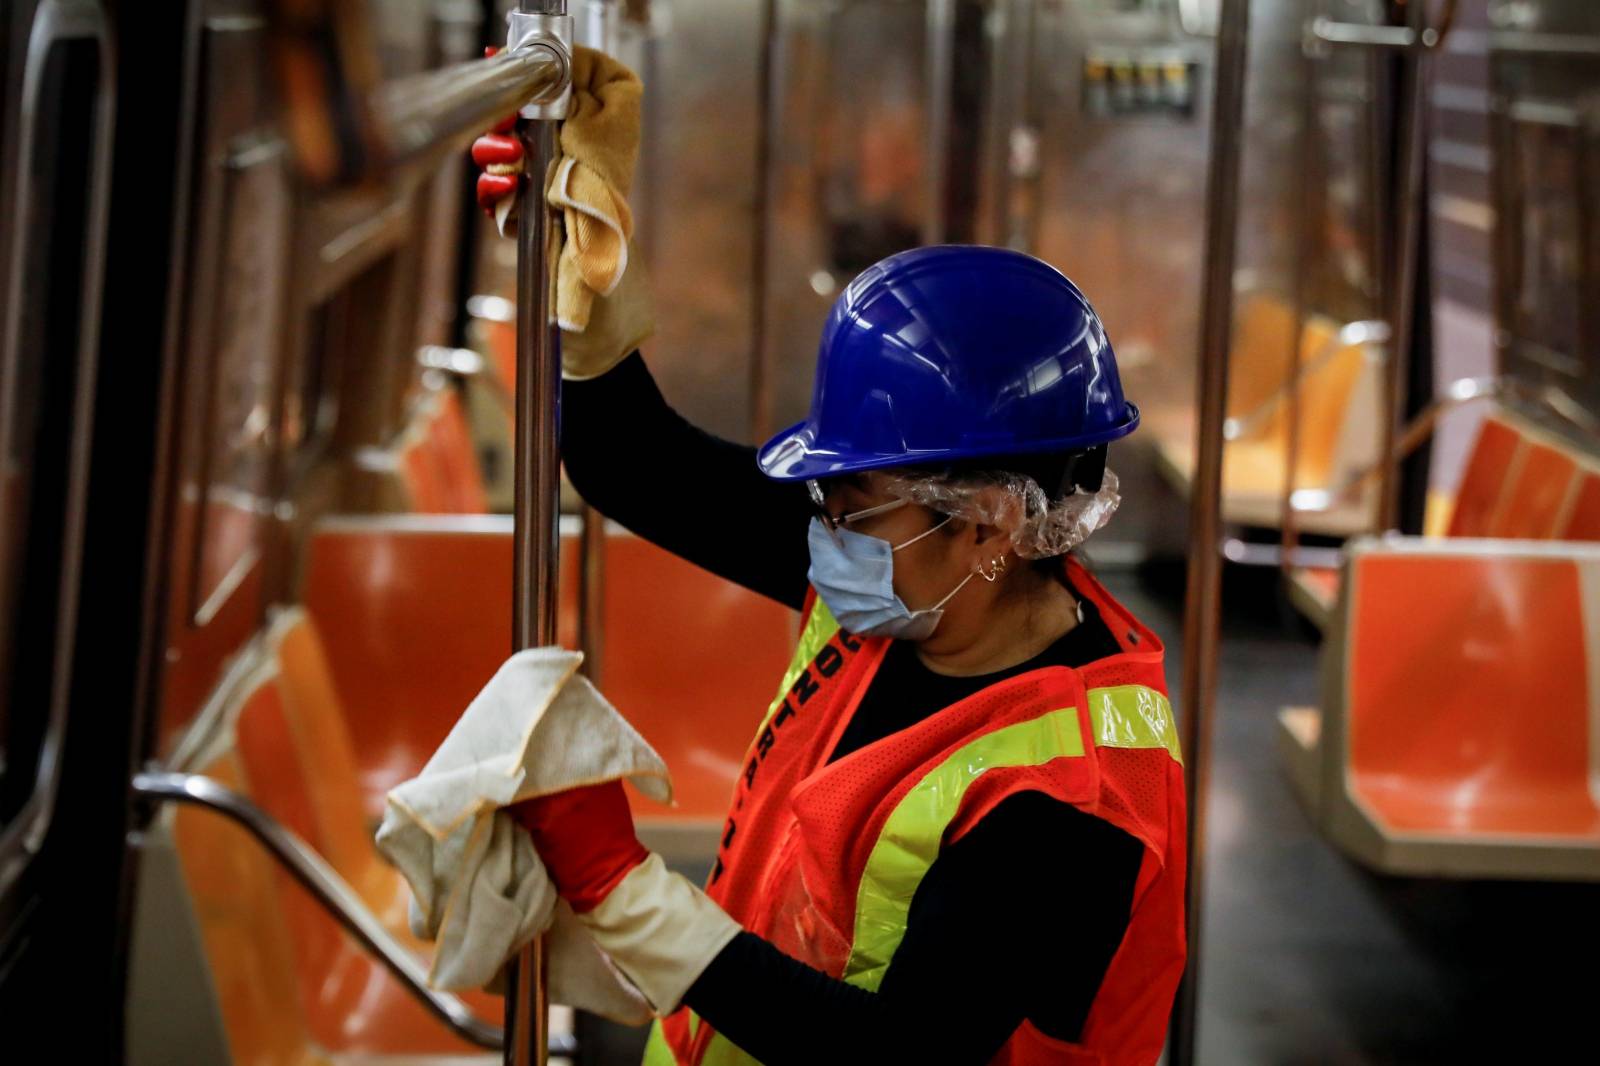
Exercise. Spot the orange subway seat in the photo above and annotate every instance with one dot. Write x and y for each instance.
(1259, 357)
(247, 942)
(322, 741)
(427, 482)
(1536, 498)
(692, 661)
(1484, 484)
(321, 744)
(1334, 435)
(1467, 696)
(416, 618)
(1324, 400)
(452, 441)
(351, 1003)
(1582, 520)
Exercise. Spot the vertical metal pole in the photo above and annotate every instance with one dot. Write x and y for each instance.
(1202, 608)
(941, 44)
(536, 528)
(598, 25)
(761, 406)
(1011, 125)
(1309, 151)
(1412, 99)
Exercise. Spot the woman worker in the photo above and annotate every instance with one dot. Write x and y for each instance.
(959, 833)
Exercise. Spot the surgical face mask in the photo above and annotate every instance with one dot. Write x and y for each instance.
(854, 575)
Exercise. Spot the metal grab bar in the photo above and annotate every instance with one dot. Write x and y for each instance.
(331, 892)
(434, 111)
(536, 459)
(1245, 553)
(1364, 332)
(1325, 30)
(1202, 608)
(347, 127)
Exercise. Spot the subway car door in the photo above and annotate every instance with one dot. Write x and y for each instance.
(55, 127)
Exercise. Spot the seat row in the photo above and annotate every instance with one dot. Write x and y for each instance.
(344, 695)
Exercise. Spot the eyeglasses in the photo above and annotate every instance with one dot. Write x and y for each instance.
(835, 522)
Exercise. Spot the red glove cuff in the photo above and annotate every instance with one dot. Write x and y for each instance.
(585, 837)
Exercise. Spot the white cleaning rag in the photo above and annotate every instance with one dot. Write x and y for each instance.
(478, 887)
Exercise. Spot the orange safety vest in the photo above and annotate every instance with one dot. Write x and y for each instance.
(822, 859)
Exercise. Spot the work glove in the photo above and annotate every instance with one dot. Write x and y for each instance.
(585, 838)
(601, 294)
(656, 927)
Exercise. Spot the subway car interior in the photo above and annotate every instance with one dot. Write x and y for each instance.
(277, 425)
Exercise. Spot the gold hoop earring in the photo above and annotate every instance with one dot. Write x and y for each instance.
(996, 567)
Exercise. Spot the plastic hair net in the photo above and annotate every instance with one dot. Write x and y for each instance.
(1039, 527)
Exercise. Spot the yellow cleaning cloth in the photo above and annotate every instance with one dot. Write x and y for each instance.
(599, 147)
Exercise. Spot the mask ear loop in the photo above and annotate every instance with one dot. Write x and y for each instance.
(999, 568)
(938, 526)
(951, 594)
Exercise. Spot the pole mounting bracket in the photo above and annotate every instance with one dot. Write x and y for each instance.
(526, 31)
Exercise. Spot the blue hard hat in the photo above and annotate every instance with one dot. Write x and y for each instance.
(949, 353)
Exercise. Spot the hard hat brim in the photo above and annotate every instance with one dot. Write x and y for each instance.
(796, 455)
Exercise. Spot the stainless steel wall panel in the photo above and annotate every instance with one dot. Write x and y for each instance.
(701, 118)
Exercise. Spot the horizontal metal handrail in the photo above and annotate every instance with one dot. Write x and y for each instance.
(1329, 31)
(347, 127)
(429, 112)
(1237, 550)
(331, 892)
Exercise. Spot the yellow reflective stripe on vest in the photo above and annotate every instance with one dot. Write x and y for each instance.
(819, 629)
(910, 839)
(1133, 716)
(656, 1051)
(720, 1051)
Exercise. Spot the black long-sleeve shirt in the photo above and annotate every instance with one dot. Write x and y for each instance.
(1018, 919)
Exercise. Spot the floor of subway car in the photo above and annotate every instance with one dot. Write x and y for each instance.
(1308, 957)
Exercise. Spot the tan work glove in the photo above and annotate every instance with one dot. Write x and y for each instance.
(600, 293)
(591, 181)
(658, 929)
(618, 324)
